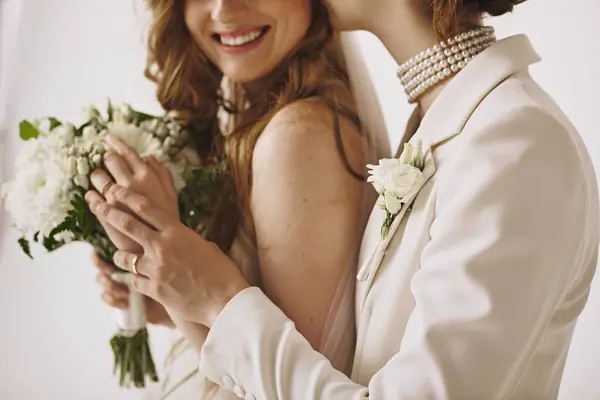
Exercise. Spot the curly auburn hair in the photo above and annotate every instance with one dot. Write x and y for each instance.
(450, 16)
(189, 84)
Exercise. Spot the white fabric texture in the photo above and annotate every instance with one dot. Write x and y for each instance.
(479, 290)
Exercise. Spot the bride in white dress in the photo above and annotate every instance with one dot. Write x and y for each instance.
(269, 76)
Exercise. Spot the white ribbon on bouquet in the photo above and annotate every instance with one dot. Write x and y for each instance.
(133, 319)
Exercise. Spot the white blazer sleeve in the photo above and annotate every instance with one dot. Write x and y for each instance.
(507, 232)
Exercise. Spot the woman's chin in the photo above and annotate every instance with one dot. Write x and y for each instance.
(244, 74)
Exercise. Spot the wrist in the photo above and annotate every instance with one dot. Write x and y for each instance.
(222, 299)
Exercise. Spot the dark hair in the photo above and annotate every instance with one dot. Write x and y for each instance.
(450, 16)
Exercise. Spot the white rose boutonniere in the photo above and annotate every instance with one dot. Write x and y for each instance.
(397, 181)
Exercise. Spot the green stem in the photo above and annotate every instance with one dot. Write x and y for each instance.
(133, 359)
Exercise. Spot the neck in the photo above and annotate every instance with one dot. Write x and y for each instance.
(405, 29)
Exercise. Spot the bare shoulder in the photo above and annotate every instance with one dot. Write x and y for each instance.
(303, 132)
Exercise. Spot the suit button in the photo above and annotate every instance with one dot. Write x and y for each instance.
(239, 392)
(250, 396)
(228, 382)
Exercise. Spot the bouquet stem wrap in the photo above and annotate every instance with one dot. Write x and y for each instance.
(133, 361)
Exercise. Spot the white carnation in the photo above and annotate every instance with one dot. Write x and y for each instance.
(39, 196)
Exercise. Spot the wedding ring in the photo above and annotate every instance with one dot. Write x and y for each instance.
(134, 263)
(106, 187)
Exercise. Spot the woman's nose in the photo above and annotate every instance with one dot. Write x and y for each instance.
(227, 11)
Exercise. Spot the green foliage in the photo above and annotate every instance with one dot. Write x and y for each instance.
(28, 131)
(79, 131)
(54, 123)
(198, 201)
(139, 117)
(109, 111)
(201, 195)
(24, 243)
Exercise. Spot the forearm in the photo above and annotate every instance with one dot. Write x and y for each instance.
(257, 346)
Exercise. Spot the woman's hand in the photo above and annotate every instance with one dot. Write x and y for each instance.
(150, 178)
(117, 296)
(178, 268)
(147, 177)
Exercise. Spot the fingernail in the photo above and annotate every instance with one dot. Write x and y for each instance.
(94, 206)
(111, 139)
(108, 153)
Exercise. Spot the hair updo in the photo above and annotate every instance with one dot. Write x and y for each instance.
(451, 16)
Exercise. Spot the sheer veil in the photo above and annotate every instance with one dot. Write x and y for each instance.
(366, 98)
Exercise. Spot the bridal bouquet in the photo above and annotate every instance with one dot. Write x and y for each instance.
(46, 199)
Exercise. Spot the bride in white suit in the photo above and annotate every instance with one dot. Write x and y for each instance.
(473, 270)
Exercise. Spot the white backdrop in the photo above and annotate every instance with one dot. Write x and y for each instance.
(54, 331)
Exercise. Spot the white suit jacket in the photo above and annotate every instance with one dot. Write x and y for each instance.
(478, 291)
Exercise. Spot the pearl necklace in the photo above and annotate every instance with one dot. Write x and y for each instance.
(438, 63)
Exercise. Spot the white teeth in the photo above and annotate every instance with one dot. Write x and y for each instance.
(240, 40)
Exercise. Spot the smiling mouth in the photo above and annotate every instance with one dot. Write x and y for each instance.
(240, 40)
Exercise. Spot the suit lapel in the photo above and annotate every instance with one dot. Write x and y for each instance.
(368, 270)
(444, 120)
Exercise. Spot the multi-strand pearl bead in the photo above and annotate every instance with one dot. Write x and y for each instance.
(440, 62)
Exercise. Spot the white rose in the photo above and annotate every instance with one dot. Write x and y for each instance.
(402, 181)
(83, 166)
(378, 172)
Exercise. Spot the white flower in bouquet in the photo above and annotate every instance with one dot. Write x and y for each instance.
(143, 142)
(46, 200)
(39, 196)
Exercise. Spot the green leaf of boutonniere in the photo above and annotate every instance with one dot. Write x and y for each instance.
(387, 223)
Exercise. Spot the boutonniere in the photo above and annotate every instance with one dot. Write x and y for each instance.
(397, 181)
